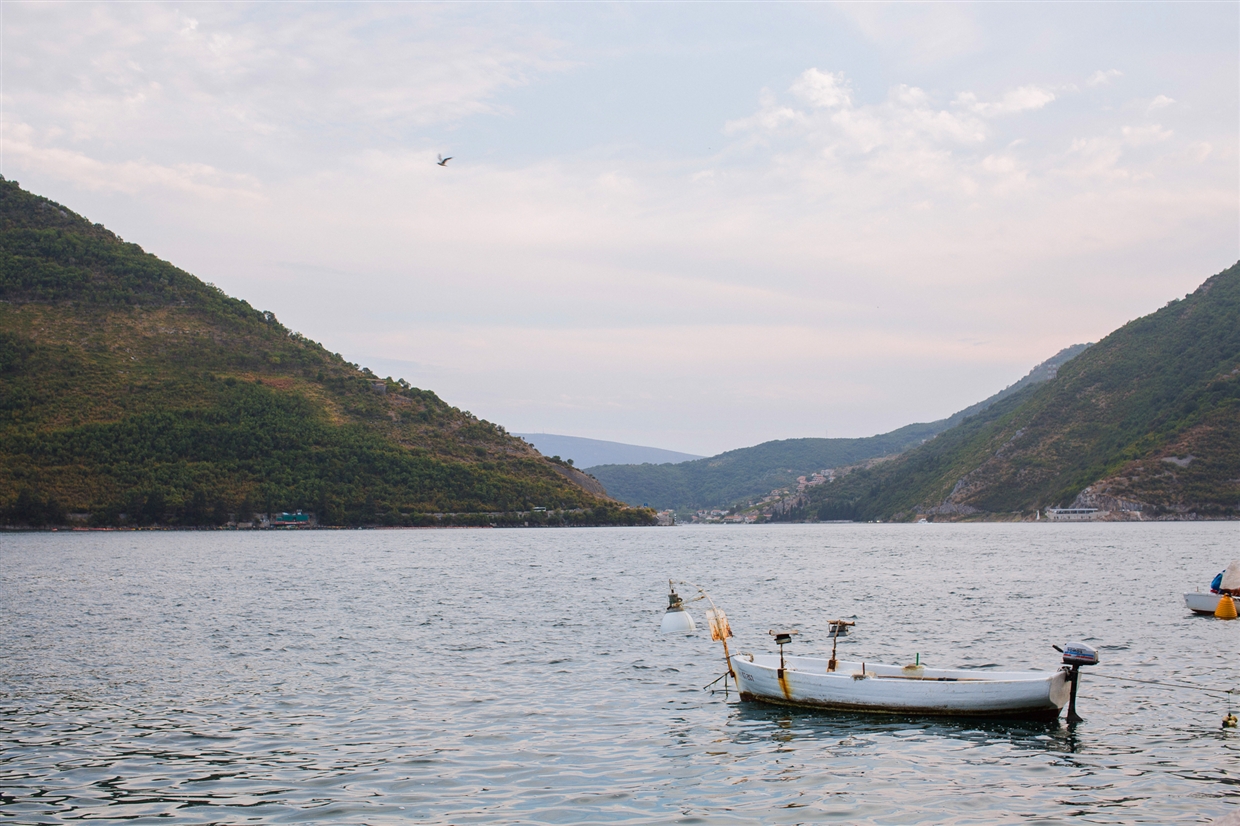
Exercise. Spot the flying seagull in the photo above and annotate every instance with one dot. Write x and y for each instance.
(444, 161)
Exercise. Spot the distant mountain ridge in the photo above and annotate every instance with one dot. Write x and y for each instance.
(587, 453)
(1143, 424)
(722, 480)
(132, 393)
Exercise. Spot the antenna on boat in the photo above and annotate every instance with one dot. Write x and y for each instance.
(838, 627)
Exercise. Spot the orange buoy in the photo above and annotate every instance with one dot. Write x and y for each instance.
(1226, 608)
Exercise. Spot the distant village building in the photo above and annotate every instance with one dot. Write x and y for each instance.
(1071, 514)
(293, 520)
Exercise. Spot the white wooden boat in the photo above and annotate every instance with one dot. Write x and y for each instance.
(842, 685)
(1202, 603)
(892, 689)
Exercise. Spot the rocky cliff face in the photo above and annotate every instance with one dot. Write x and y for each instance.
(582, 480)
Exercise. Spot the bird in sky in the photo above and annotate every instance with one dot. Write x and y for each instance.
(444, 161)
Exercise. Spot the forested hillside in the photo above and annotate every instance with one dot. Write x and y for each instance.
(1146, 424)
(133, 393)
(721, 480)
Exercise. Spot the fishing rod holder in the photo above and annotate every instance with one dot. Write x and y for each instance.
(1075, 655)
(837, 627)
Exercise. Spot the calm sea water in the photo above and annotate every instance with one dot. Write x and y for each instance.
(519, 677)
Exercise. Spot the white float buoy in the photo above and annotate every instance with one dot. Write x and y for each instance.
(676, 619)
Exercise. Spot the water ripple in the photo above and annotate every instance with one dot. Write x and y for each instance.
(518, 677)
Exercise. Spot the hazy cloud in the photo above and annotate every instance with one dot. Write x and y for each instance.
(924, 33)
(822, 89)
(1145, 135)
(1103, 78)
(1024, 99)
(697, 253)
(770, 117)
(131, 177)
(260, 76)
(1159, 102)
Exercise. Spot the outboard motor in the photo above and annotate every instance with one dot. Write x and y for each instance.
(1075, 655)
(1078, 653)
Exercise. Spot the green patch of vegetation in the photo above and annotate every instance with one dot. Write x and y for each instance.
(1169, 381)
(135, 394)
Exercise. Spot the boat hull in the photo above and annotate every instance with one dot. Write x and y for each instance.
(1202, 603)
(888, 689)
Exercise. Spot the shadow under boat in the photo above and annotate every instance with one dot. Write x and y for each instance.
(759, 720)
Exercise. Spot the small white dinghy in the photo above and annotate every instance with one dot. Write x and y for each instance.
(1207, 603)
(838, 685)
(892, 689)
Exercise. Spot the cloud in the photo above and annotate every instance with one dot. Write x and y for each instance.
(1103, 78)
(1145, 135)
(1094, 157)
(1023, 99)
(858, 211)
(257, 76)
(822, 89)
(770, 117)
(907, 141)
(1199, 151)
(1008, 173)
(924, 34)
(1160, 102)
(130, 177)
(907, 116)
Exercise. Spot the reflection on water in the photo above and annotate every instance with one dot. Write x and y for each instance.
(518, 676)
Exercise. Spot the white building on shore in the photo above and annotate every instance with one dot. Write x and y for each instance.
(1071, 514)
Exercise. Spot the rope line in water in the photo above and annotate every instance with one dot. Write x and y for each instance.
(1163, 684)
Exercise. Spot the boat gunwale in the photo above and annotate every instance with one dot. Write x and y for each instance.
(978, 676)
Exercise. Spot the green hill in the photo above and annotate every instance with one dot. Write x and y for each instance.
(722, 480)
(133, 393)
(1145, 422)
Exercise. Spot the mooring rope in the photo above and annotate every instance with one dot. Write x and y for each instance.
(1163, 684)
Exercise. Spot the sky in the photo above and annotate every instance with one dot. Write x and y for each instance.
(696, 226)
